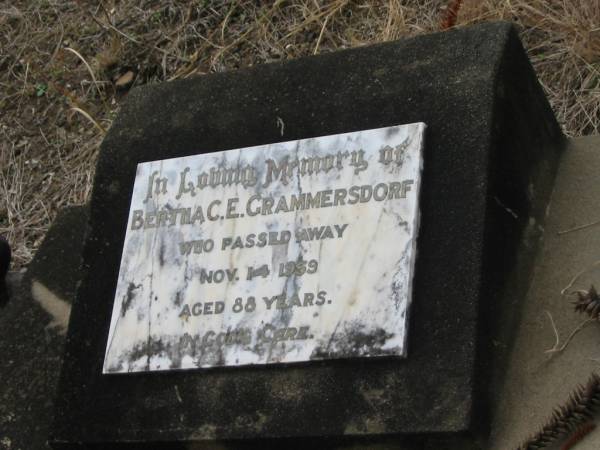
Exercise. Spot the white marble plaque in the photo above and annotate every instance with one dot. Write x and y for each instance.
(295, 251)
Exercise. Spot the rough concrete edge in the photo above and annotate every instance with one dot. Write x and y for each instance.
(520, 277)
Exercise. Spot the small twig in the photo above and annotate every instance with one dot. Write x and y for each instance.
(222, 50)
(62, 35)
(209, 42)
(24, 87)
(280, 125)
(580, 227)
(135, 41)
(556, 348)
(225, 20)
(185, 21)
(321, 35)
(115, 29)
(76, 53)
(105, 11)
(88, 117)
(506, 208)
(576, 277)
(326, 12)
(553, 329)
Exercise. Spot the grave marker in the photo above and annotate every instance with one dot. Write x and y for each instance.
(490, 152)
(271, 254)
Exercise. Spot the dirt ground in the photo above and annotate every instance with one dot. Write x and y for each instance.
(65, 66)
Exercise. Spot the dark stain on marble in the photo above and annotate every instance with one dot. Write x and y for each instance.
(129, 297)
(353, 341)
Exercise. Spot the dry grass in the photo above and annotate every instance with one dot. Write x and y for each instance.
(60, 61)
(563, 42)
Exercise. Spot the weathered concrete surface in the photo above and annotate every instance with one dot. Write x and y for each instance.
(492, 145)
(536, 381)
(32, 327)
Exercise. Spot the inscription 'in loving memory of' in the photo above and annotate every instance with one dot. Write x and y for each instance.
(277, 253)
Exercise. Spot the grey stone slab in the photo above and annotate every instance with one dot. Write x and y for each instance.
(537, 382)
(32, 333)
(491, 149)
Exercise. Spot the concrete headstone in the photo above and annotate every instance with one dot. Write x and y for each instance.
(489, 153)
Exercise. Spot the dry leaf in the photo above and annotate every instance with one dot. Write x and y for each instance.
(124, 80)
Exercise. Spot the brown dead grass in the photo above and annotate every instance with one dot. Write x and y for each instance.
(59, 62)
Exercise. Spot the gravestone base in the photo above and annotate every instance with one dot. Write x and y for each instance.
(32, 333)
(491, 150)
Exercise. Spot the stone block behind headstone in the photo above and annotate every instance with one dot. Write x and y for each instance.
(32, 332)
